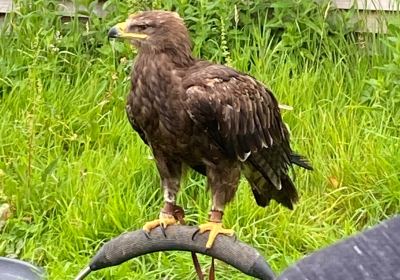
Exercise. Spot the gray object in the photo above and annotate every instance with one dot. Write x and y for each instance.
(11, 269)
(370, 255)
(182, 238)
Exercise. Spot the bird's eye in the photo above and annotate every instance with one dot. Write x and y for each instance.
(142, 27)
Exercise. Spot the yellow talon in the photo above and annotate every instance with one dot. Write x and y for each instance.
(215, 229)
(164, 221)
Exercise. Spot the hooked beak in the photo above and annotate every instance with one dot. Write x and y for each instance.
(119, 31)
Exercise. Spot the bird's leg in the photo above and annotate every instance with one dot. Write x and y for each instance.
(223, 181)
(170, 172)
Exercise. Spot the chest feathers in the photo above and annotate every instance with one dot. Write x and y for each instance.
(155, 98)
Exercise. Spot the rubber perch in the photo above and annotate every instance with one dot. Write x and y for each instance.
(179, 238)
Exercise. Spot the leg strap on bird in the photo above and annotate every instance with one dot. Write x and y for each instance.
(179, 215)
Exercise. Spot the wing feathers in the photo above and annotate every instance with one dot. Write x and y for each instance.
(247, 114)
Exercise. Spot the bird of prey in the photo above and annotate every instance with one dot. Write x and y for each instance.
(210, 117)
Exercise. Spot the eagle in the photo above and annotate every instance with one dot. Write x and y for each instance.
(218, 121)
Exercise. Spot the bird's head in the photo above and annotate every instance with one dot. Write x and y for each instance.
(154, 30)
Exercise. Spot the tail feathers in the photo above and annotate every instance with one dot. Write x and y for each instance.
(291, 196)
(270, 164)
(267, 173)
(264, 190)
(301, 161)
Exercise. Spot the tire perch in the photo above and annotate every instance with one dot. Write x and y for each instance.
(179, 238)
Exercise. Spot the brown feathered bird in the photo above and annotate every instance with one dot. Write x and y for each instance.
(216, 120)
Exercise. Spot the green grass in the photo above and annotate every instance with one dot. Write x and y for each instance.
(76, 175)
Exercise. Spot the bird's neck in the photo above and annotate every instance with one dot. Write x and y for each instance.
(169, 57)
(153, 71)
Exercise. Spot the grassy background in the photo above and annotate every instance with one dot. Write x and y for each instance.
(76, 175)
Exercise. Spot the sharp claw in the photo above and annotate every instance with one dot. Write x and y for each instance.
(194, 234)
(162, 228)
(147, 235)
